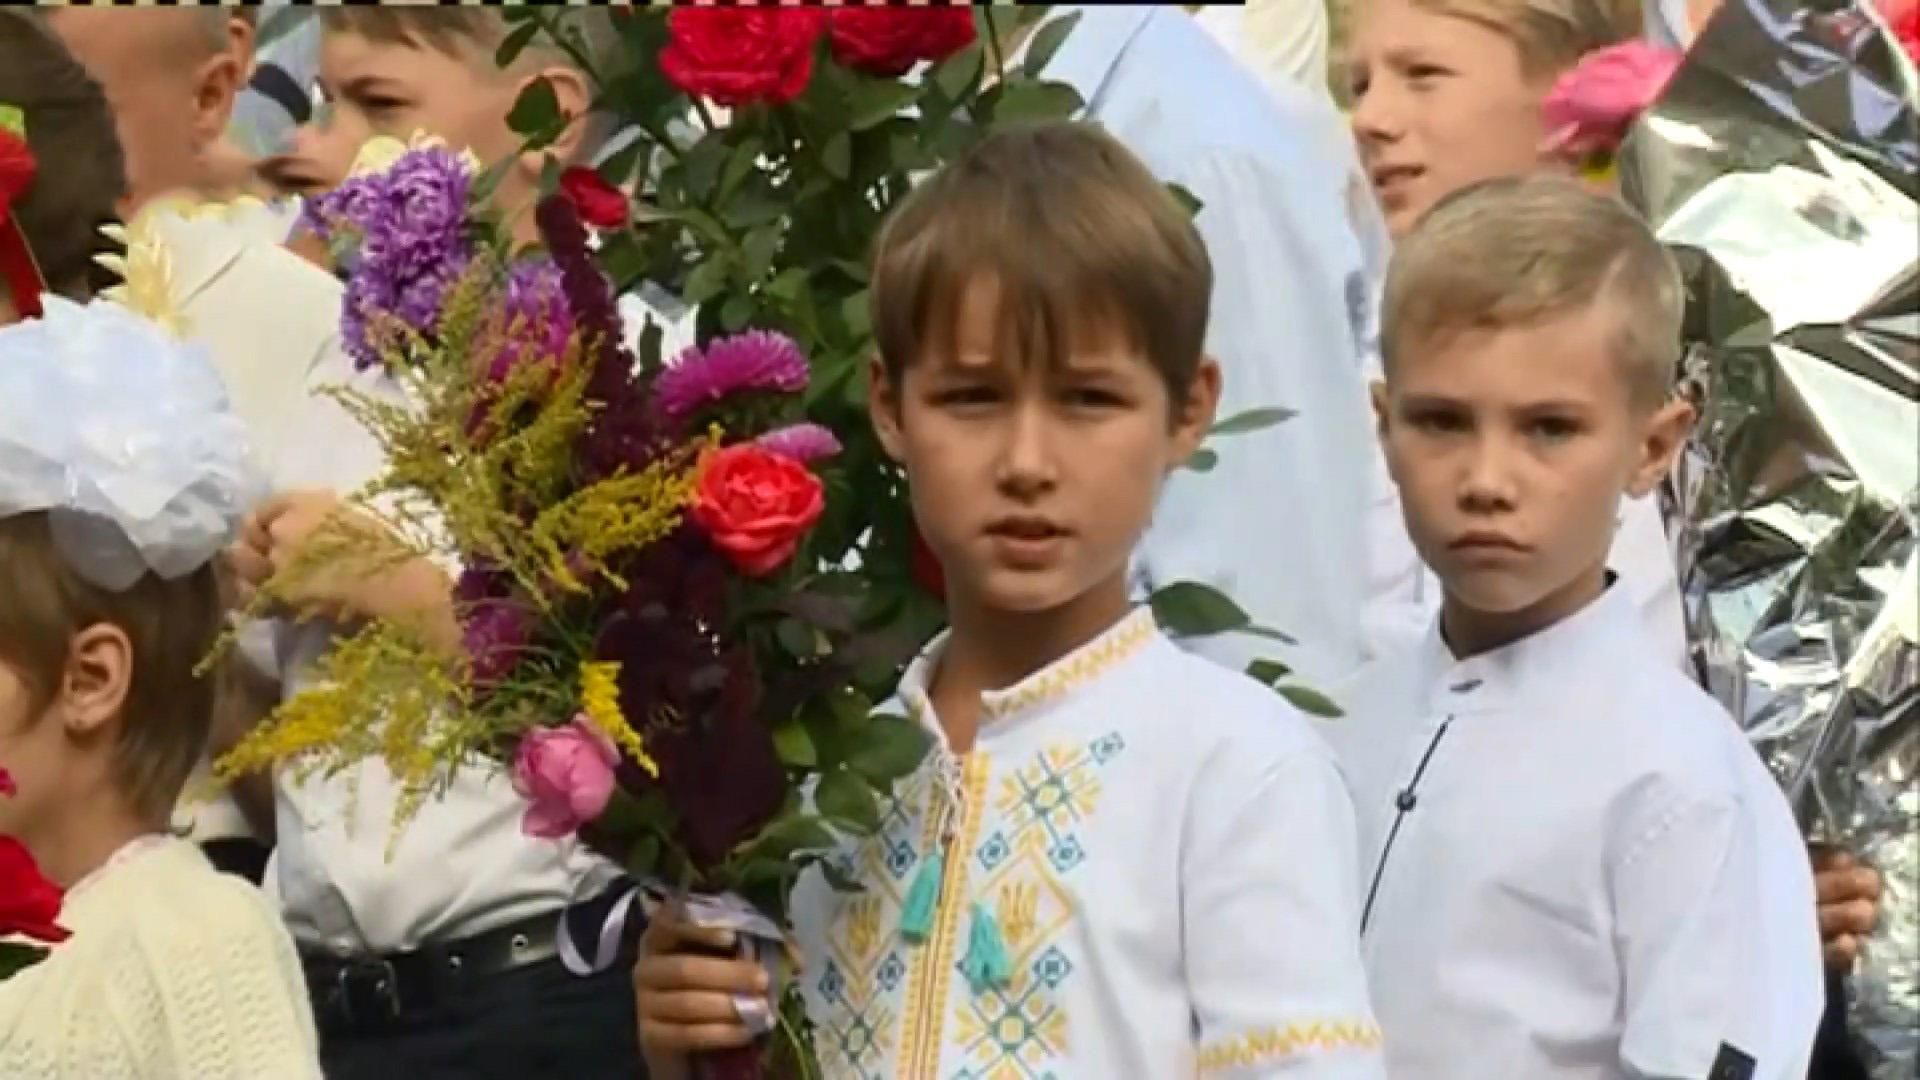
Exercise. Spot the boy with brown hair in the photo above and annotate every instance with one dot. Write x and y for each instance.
(110, 601)
(1120, 859)
(1576, 865)
(78, 175)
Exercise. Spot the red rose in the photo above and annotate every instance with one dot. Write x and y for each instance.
(738, 56)
(889, 41)
(756, 505)
(28, 902)
(599, 203)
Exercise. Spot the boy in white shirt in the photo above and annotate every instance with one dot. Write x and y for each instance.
(1119, 860)
(1575, 865)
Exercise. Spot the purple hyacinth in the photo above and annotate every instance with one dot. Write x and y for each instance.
(755, 360)
(407, 226)
(804, 443)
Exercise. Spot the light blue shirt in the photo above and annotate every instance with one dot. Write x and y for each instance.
(1281, 524)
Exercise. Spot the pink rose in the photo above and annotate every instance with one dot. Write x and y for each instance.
(1591, 107)
(566, 776)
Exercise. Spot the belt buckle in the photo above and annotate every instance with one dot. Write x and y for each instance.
(368, 992)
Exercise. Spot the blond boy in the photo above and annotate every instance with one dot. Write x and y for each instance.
(1575, 866)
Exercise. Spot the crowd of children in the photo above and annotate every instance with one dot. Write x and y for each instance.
(1531, 847)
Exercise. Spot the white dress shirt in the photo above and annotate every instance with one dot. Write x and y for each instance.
(1280, 524)
(1576, 866)
(462, 865)
(1167, 849)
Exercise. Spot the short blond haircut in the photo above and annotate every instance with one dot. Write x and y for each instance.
(1520, 250)
(1552, 35)
(170, 625)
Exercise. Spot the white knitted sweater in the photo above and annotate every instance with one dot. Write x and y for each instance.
(174, 970)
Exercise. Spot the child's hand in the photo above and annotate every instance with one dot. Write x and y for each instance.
(1849, 898)
(684, 995)
(361, 586)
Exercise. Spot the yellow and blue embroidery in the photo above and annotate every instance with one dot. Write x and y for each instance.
(1271, 1045)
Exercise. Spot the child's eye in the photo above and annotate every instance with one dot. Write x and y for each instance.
(1554, 428)
(1087, 397)
(1438, 423)
(1425, 73)
(963, 396)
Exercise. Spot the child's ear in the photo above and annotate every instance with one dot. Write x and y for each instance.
(1666, 434)
(575, 97)
(216, 85)
(93, 689)
(883, 407)
(1195, 417)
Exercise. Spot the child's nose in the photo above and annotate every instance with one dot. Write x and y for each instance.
(1028, 464)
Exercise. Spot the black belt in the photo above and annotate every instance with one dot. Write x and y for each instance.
(371, 994)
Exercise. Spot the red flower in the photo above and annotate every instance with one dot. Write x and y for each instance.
(1903, 18)
(755, 505)
(888, 41)
(600, 204)
(28, 902)
(738, 56)
(17, 168)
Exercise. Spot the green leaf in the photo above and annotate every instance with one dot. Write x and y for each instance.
(851, 711)
(802, 641)
(1269, 671)
(644, 855)
(1188, 200)
(1269, 633)
(1203, 460)
(740, 165)
(1311, 702)
(857, 314)
(751, 208)
(736, 313)
(795, 832)
(1045, 42)
(707, 280)
(1190, 609)
(845, 799)
(514, 43)
(17, 956)
(795, 746)
(1251, 420)
(651, 339)
(837, 156)
(758, 250)
(536, 110)
(1034, 102)
(790, 285)
(891, 747)
(957, 73)
(876, 101)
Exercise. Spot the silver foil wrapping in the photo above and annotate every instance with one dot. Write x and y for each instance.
(1781, 166)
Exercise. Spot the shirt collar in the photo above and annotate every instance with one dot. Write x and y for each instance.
(1087, 59)
(1548, 662)
(1049, 686)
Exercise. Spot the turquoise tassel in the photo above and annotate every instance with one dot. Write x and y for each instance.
(986, 965)
(916, 918)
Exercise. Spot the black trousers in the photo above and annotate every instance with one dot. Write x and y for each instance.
(532, 1022)
(1834, 1056)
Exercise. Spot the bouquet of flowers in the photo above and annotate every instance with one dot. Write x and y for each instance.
(683, 582)
(29, 904)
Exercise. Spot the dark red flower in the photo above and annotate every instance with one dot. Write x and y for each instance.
(741, 55)
(495, 627)
(600, 204)
(29, 903)
(888, 41)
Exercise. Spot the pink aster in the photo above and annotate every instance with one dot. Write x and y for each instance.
(804, 443)
(758, 360)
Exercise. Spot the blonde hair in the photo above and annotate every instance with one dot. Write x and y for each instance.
(1551, 35)
(1520, 250)
(1076, 233)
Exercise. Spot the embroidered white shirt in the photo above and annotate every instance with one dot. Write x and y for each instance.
(1167, 850)
(1577, 866)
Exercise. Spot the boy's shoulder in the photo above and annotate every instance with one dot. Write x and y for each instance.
(1200, 704)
